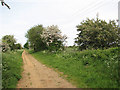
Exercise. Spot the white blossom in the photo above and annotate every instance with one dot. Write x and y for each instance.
(52, 33)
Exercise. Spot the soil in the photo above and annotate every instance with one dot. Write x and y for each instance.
(37, 75)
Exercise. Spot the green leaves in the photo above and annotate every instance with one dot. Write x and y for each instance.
(11, 69)
(35, 39)
(26, 45)
(97, 34)
(8, 42)
(50, 38)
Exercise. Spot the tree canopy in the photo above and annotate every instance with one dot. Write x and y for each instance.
(26, 45)
(18, 46)
(53, 38)
(34, 38)
(41, 38)
(8, 41)
(97, 33)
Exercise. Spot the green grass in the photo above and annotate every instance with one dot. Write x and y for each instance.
(11, 68)
(85, 69)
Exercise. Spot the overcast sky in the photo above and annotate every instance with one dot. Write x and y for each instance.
(25, 14)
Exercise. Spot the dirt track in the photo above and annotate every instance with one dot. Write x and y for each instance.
(37, 75)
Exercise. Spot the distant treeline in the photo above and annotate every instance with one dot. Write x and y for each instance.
(92, 34)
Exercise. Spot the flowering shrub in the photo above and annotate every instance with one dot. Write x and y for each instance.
(49, 38)
(97, 34)
(53, 37)
(8, 42)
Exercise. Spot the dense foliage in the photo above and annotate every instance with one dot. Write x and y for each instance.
(11, 68)
(86, 69)
(34, 38)
(53, 38)
(97, 34)
(18, 46)
(49, 38)
(26, 45)
(8, 42)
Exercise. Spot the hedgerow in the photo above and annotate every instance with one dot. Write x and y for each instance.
(11, 68)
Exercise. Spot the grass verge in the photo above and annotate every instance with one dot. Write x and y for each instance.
(85, 69)
(11, 68)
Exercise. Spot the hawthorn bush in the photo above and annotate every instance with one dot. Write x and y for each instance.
(50, 38)
(97, 34)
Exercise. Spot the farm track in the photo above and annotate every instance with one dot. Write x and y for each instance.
(37, 75)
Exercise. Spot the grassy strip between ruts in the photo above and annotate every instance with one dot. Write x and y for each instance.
(85, 69)
(11, 68)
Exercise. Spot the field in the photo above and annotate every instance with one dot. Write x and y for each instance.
(11, 68)
(85, 69)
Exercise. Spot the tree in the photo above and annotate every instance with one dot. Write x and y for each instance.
(26, 45)
(18, 46)
(53, 38)
(9, 41)
(34, 38)
(49, 38)
(97, 34)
